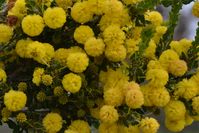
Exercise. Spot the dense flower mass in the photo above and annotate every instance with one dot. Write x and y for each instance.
(107, 66)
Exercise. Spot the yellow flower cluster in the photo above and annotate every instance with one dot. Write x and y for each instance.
(80, 126)
(21, 117)
(15, 100)
(65, 4)
(154, 17)
(3, 76)
(37, 75)
(149, 125)
(195, 8)
(6, 33)
(5, 113)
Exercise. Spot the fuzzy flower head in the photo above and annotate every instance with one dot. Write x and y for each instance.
(81, 12)
(6, 33)
(21, 48)
(41, 96)
(157, 77)
(47, 79)
(149, 125)
(154, 17)
(132, 46)
(58, 91)
(175, 110)
(72, 82)
(154, 64)
(83, 33)
(37, 75)
(113, 96)
(80, 126)
(129, 2)
(21, 117)
(108, 114)
(195, 9)
(178, 68)
(115, 53)
(108, 128)
(55, 17)
(52, 122)
(15, 100)
(70, 131)
(186, 89)
(166, 57)
(150, 50)
(3, 76)
(44, 2)
(195, 104)
(33, 25)
(94, 47)
(5, 113)
(22, 86)
(175, 125)
(77, 62)
(65, 4)
(113, 35)
(99, 7)
(61, 56)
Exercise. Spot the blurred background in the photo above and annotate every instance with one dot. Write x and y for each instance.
(185, 29)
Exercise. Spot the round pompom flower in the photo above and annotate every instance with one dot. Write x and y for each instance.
(149, 125)
(21, 48)
(154, 17)
(65, 4)
(70, 131)
(21, 117)
(108, 128)
(113, 35)
(72, 82)
(80, 126)
(46, 79)
(128, 2)
(195, 104)
(115, 53)
(175, 125)
(33, 25)
(175, 110)
(77, 62)
(15, 100)
(94, 47)
(113, 96)
(195, 9)
(178, 67)
(81, 12)
(3, 76)
(108, 114)
(37, 75)
(83, 33)
(52, 122)
(55, 17)
(5, 33)
(134, 98)
(157, 77)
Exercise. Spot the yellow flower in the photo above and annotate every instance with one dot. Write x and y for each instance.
(37, 75)
(195, 78)
(45, 2)
(49, 52)
(5, 113)
(113, 35)
(160, 30)
(21, 117)
(108, 128)
(83, 33)
(21, 48)
(175, 110)
(113, 96)
(149, 125)
(3, 76)
(72, 82)
(186, 89)
(159, 96)
(6, 33)
(134, 98)
(80, 126)
(195, 8)
(154, 17)
(175, 125)
(19, 9)
(58, 91)
(55, 17)
(108, 114)
(166, 57)
(129, 129)
(178, 68)
(157, 77)
(15, 100)
(65, 4)
(188, 119)
(115, 53)
(98, 6)
(114, 7)
(94, 47)
(130, 86)
(195, 104)
(150, 50)
(81, 12)
(63, 99)
(47, 79)
(41, 96)
(22, 86)
(128, 2)
(70, 131)
(77, 62)
(154, 64)
(52, 122)
(61, 56)
(33, 25)
(132, 46)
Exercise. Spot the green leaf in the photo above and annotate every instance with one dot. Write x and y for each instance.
(187, 1)
(167, 3)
